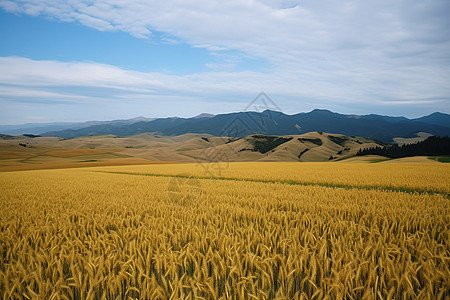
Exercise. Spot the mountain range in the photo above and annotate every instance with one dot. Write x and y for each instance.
(38, 128)
(268, 122)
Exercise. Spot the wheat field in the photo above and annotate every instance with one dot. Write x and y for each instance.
(236, 231)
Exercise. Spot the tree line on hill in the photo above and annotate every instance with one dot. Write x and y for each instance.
(434, 145)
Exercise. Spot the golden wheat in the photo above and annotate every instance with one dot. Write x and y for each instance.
(421, 176)
(85, 234)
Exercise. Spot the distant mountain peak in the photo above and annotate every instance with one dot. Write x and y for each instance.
(204, 115)
(436, 118)
(437, 114)
(318, 110)
(270, 111)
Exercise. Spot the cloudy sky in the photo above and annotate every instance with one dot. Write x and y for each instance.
(78, 60)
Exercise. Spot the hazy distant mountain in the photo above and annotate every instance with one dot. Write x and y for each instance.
(383, 128)
(204, 115)
(436, 119)
(34, 128)
(38, 128)
(113, 122)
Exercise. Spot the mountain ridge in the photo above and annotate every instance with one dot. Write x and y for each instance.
(269, 122)
(38, 128)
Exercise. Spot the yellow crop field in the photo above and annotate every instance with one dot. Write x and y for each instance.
(227, 231)
(433, 177)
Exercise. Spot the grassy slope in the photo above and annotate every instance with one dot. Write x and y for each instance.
(45, 152)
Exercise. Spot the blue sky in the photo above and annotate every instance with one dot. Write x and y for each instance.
(42, 39)
(115, 59)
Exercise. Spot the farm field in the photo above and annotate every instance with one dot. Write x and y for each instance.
(244, 230)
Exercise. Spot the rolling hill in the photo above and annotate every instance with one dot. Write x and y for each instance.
(22, 152)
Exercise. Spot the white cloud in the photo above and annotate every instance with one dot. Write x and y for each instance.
(296, 90)
(10, 6)
(409, 102)
(333, 53)
(264, 28)
(13, 92)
